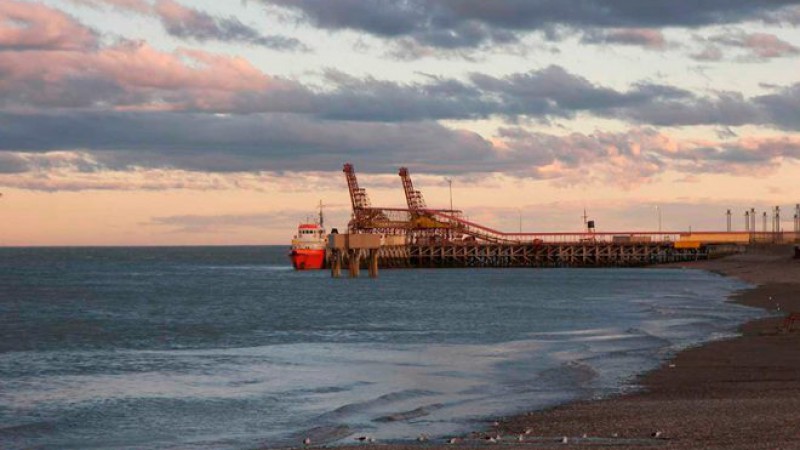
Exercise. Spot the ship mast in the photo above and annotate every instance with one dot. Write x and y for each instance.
(321, 217)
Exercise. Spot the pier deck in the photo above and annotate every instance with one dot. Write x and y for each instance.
(540, 255)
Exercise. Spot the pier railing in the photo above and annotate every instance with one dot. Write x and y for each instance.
(473, 230)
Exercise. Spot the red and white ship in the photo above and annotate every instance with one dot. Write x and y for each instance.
(308, 246)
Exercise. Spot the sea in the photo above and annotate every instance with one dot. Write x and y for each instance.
(229, 348)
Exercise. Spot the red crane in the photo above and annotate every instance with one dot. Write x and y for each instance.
(358, 195)
(413, 197)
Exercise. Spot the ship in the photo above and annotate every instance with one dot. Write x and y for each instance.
(308, 245)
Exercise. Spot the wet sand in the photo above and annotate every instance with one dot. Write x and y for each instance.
(742, 393)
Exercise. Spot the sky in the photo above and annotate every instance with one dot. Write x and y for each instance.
(194, 122)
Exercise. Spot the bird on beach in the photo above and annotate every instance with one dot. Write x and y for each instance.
(365, 439)
(422, 438)
(656, 434)
(528, 430)
(490, 440)
(565, 440)
(307, 441)
(452, 440)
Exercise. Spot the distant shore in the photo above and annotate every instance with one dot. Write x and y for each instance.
(741, 393)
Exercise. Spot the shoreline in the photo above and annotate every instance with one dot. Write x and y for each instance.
(738, 393)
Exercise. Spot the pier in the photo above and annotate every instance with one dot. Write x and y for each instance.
(421, 237)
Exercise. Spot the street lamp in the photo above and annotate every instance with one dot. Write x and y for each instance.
(450, 184)
(658, 210)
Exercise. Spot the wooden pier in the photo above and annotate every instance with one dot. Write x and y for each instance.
(485, 255)
(419, 236)
(550, 255)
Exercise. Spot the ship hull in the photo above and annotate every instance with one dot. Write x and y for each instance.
(307, 259)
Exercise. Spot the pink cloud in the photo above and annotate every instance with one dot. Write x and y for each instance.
(628, 159)
(52, 60)
(766, 45)
(759, 45)
(176, 12)
(644, 37)
(648, 38)
(137, 64)
(139, 6)
(33, 26)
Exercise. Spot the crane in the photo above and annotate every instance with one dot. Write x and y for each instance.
(413, 197)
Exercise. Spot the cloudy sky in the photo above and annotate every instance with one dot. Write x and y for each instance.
(208, 122)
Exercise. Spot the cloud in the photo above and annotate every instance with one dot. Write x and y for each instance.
(33, 26)
(634, 157)
(190, 23)
(554, 91)
(642, 37)
(289, 143)
(448, 24)
(13, 163)
(759, 46)
(708, 53)
(782, 106)
(135, 76)
(140, 6)
(127, 75)
(272, 142)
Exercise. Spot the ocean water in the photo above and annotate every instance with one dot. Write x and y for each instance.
(228, 348)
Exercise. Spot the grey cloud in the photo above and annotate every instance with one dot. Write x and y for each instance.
(783, 107)
(288, 143)
(241, 143)
(554, 91)
(641, 37)
(548, 92)
(709, 53)
(468, 23)
(13, 163)
(540, 94)
(726, 108)
(189, 23)
(198, 25)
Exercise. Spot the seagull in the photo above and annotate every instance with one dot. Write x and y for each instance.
(565, 440)
(307, 441)
(490, 440)
(452, 440)
(656, 434)
(521, 438)
(528, 430)
(423, 438)
(365, 439)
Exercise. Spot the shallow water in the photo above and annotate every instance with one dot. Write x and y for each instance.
(230, 348)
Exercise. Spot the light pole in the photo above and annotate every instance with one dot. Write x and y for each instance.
(450, 184)
(658, 210)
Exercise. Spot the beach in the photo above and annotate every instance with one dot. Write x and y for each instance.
(741, 393)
